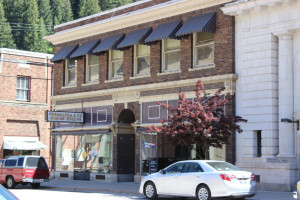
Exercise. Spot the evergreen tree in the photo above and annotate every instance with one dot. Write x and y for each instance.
(88, 7)
(75, 8)
(6, 37)
(13, 12)
(62, 11)
(31, 39)
(110, 4)
(45, 12)
(43, 45)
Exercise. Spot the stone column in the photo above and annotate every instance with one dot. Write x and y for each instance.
(286, 94)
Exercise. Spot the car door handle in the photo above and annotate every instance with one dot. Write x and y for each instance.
(176, 177)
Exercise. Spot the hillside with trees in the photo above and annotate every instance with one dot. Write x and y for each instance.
(24, 23)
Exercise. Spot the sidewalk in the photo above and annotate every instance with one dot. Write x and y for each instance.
(132, 188)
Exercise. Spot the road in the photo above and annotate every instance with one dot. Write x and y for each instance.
(45, 194)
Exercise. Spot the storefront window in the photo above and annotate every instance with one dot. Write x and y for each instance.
(148, 153)
(90, 153)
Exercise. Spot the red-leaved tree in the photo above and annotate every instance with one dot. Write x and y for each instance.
(200, 121)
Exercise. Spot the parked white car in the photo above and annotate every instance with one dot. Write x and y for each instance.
(203, 179)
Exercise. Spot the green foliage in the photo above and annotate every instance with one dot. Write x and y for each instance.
(62, 11)
(6, 37)
(88, 7)
(46, 13)
(110, 4)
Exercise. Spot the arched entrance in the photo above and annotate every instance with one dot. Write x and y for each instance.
(125, 146)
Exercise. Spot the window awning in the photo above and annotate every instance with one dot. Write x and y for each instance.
(109, 43)
(89, 132)
(164, 31)
(200, 23)
(85, 48)
(64, 53)
(135, 37)
(23, 145)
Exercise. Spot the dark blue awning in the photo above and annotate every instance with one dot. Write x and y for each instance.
(164, 31)
(64, 53)
(85, 48)
(200, 23)
(109, 43)
(89, 132)
(135, 37)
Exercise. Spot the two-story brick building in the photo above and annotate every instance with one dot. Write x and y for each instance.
(116, 65)
(25, 92)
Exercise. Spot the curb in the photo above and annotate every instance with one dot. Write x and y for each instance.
(124, 191)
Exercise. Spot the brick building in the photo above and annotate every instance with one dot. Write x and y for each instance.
(116, 65)
(25, 96)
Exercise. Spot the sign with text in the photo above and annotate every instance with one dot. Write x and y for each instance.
(68, 117)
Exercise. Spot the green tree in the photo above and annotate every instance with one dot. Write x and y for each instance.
(31, 39)
(43, 45)
(88, 7)
(75, 7)
(45, 12)
(110, 4)
(13, 12)
(6, 37)
(62, 11)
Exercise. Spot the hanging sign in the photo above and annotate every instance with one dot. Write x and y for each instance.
(70, 117)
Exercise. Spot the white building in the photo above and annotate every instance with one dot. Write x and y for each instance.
(268, 89)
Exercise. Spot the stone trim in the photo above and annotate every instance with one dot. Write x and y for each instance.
(23, 103)
(154, 86)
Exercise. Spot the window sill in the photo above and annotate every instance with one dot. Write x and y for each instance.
(90, 83)
(169, 72)
(201, 67)
(141, 76)
(69, 86)
(114, 80)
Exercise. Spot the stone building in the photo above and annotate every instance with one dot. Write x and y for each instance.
(25, 96)
(268, 89)
(116, 65)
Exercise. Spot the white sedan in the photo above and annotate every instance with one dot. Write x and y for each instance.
(203, 179)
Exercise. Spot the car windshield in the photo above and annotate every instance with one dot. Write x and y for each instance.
(223, 166)
(36, 162)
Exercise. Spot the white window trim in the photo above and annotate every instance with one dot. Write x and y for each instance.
(87, 70)
(67, 74)
(110, 77)
(135, 62)
(105, 115)
(163, 52)
(158, 112)
(27, 90)
(195, 46)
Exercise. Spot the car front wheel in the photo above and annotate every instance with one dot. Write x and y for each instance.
(150, 191)
(10, 182)
(203, 193)
(35, 185)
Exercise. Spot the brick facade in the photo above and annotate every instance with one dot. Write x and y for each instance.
(20, 118)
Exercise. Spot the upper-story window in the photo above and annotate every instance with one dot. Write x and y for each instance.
(92, 69)
(203, 49)
(23, 88)
(115, 64)
(171, 55)
(70, 73)
(141, 60)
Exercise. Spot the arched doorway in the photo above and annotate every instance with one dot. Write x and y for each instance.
(125, 136)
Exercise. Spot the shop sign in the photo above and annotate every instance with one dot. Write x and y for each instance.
(70, 117)
(150, 145)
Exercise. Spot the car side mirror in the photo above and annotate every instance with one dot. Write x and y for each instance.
(162, 171)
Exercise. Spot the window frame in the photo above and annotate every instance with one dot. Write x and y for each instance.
(111, 77)
(195, 46)
(27, 90)
(163, 55)
(87, 69)
(67, 82)
(135, 62)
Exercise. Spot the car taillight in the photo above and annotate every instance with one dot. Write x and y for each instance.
(252, 177)
(226, 177)
(23, 173)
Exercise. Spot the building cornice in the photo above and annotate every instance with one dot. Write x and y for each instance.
(25, 53)
(155, 86)
(160, 11)
(242, 6)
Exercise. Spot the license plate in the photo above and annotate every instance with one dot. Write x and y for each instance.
(243, 182)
